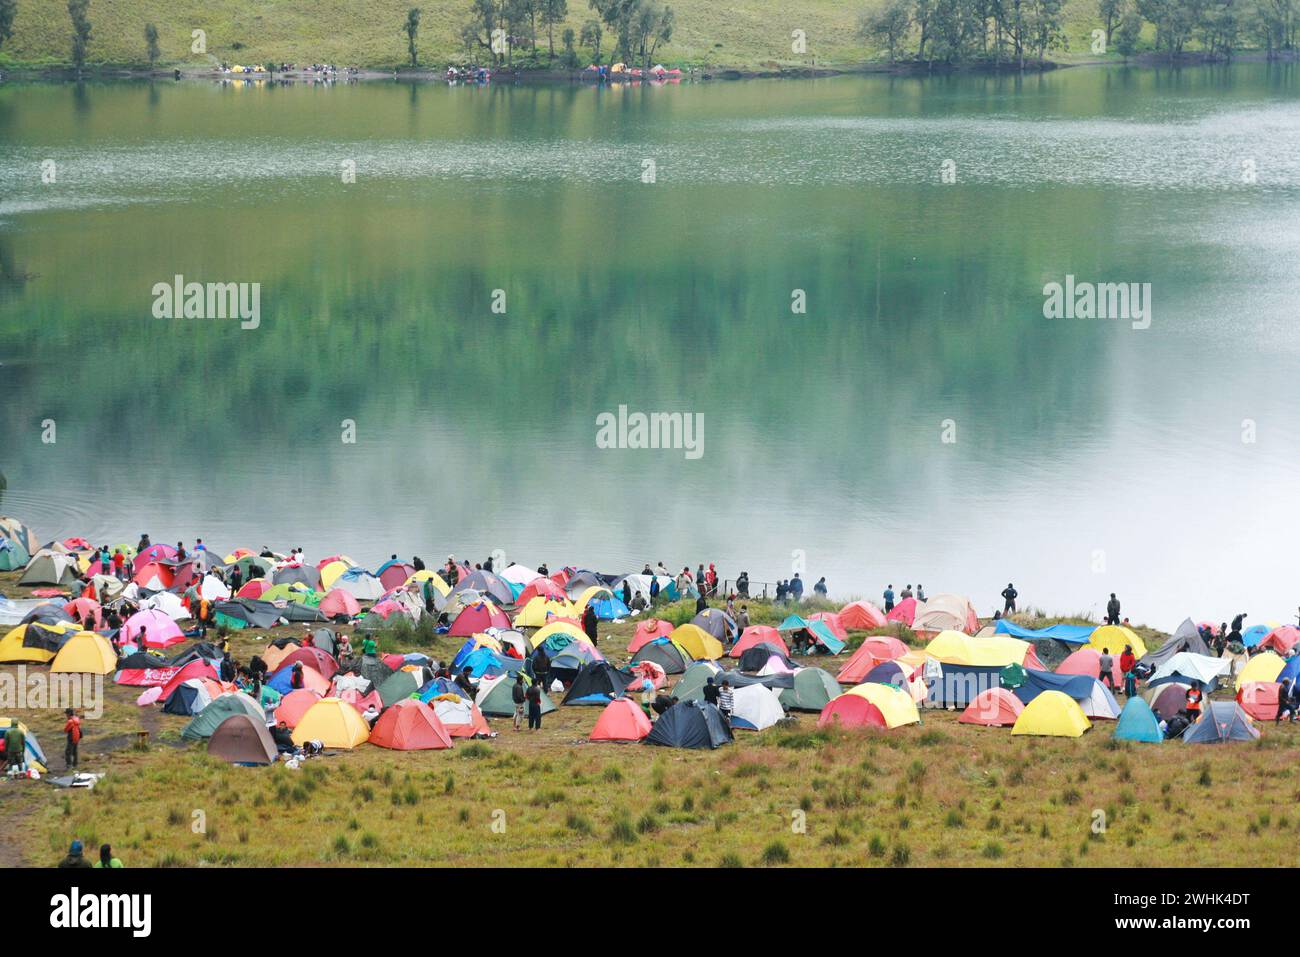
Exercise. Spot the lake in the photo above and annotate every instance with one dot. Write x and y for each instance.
(843, 279)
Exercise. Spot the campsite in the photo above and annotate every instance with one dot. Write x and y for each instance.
(857, 771)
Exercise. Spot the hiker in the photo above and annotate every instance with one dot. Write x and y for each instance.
(1107, 669)
(589, 622)
(796, 588)
(1285, 701)
(465, 682)
(76, 857)
(143, 545)
(654, 589)
(906, 593)
(541, 666)
(627, 593)
(236, 579)
(1127, 668)
(181, 554)
(429, 594)
(1009, 595)
(920, 592)
(888, 595)
(119, 565)
(1193, 705)
(726, 700)
(780, 592)
(742, 618)
(16, 747)
(106, 858)
(742, 585)
(1238, 621)
(700, 603)
(519, 695)
(819, 589)
(369, 646)
(683, 582)
(711, 579)
(534, 696)
(1112, 610)
(710, 691)
(72, 729)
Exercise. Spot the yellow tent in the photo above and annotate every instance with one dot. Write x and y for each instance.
(12, 650)
(1115, 637)
(1262, 667)
(1052, 713)
(425, 575)
(895, 704)
(993, 651)
(533, 614)
(332, 573)
(698, 642)
(558, 628)
(334, 723)
(85, 653)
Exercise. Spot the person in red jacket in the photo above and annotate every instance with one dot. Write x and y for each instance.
(72, 728)
(1127, 662)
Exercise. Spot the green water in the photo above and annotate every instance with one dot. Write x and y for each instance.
(1089, 456)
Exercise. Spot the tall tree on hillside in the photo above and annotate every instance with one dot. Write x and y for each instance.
(887, 26)
(1109, 11)
(79, 14)
(591, 35)
(8, 10)
(553, 12)
(478, 31)
(1045, 27)
(654, 25)
(412, 29)
(1127, 32)
(569, 40)
(151, 43)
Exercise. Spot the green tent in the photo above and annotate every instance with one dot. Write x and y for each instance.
(499, 701)
(690, 687)
(209, 719)
(13, 555)
(399, 685)
(1012, 676)
(813, 690)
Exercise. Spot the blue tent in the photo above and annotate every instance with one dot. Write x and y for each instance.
(1138, 722)
(1070, 634)
(1290, 670)
(1078, 687)
(486, 662)
(607, 609)
(820, 631)
(439, 686)
(1254, 635)
(1220, 722)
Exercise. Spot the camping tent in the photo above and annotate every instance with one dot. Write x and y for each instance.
(339, 603)
(690, 724)
(648, 631)
(716, 622)
(539, 610)
(155, 627)
(813, 689)
(862, 615)
(870, 653)
(189, 697)
(993, 708)
(622, 720)
(957, 648)
(87, 653)
(1115, 637)
(496, 697)
(1054, 714)
(410, 725)
(851, 711)
(904, 612)
(896, 706)
(1189, 667)
(819, 632)
(333, 722)
(1166, 700)
(1265, 666)
(756, 708)
(558, 629)
(242, 739)
(359, 583)
(50, 568)
(294, 705)
(1221, 722)
(1186, 637)
(1281, 639)
(1138, 722)
(203, 724)
(597, 683)
(697, 642)
(1087, 661)
(759, 634)
(944, 612)
(460, 716)
(1259, 699)
(34, 642)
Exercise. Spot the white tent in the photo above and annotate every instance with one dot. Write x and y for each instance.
(49, 567)
(167, 603)
(1190, 665)
(756, 707)
(360, 584)
(1100, 704)
(12, 612)
(519, 574)
(942, 612)
(214, 589)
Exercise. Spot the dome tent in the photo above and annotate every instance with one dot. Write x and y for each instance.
(242, 739)
(622, 720)
(410, 725)
(1052, 714)
(690, 724)
(1137, 722)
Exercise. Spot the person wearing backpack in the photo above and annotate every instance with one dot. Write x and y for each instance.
(519, 694)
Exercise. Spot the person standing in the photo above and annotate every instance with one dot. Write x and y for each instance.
(1009, 596)
(16, 747)
(888, 595)
(726, 700)
(589, 623)
(742, 619)
(711, 692)
(1112, 610)
(534, 696)
(519, 695)
(72, 730)
(1107, 664)
(541, 666)
(1127, 668)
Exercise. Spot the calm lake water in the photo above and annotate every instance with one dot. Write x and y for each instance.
(1089, 456)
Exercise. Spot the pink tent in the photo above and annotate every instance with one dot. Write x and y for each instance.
(758, 634)
(152, 554)
(394, 575)
(158, 630)
(386, 608)
(904, 611)
(339, 602)
(833, 623)
(1259, 699)
(478, 618)
(543, 587)
(361, 701)
(1280, 640)
(311, 657)
(1087, 661)
(294, 705)
(861, 615)
(253, 589)
(646, 632)
(86, 611)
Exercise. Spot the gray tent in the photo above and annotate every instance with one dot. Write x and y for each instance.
(1186, 637)
(1221, 721)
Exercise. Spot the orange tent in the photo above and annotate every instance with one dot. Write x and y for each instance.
(410, 725)
(460, 717)
(294, 705)
(621, 720)
(851, 711)
(756, 635)
(993, 708)
(273, 655)
(648, 631)
(833, 623)
(871, 652)
(862, 615)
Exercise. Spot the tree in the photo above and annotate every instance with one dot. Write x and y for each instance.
(653, 25)
(887, 26)
(79, 14)
(553, 12)
(1109, 11)
(151, 43)
(412, 29)
(570, 56)
(1127, 32)
(8, 10)
(590, 37)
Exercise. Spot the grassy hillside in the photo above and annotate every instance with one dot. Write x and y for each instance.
(737, 33)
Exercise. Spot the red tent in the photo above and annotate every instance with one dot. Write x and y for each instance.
(316, 658)
(904, 611)
(851, 711)
(165, 574)
(339, 602)
(152, 554)
(647, 631)
(757, 634)
(861, 615)
(870, 653)
(1033, 661)
(993, 708)
(1259, 699)
(395, 575)
(477, 619)
(833, 623)
(647, 670)
(1280, 640)
(294, 705)
(253, 589)
(543, 587)
(410, 725)
(198, 668)
(622, 720)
